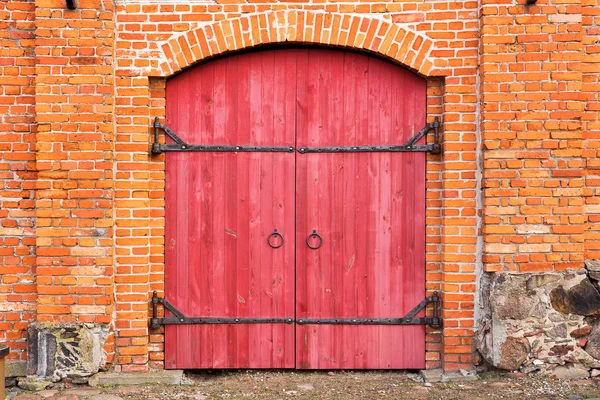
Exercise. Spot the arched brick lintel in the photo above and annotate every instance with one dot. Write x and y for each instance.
(366, 33)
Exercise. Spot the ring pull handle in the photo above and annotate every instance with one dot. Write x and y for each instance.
(273, 235)
(314, 234)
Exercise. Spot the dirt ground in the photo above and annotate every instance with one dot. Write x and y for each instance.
(329, 385)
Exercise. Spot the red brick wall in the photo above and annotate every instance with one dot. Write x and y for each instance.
(590, 96)
(17, 173)
(516, 87)
(74, 105)
(533, 138)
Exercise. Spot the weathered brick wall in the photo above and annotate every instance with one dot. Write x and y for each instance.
(17, 173)
(74, 104)
(516, 87)
(532, 110)
(539, 111)
(590, 95)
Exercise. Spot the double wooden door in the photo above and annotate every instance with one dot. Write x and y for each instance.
(295, 236)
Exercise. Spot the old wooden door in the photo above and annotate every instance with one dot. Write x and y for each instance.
(366, 256)
(368, 209)
(222, 206)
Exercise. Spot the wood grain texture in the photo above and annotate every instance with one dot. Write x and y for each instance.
(368, 207)
(221, 207)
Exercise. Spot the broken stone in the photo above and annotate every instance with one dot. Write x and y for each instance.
(570, 371)
(592, 265)
(595, 372)
(65, 350)
(454, 376)
(560, 350)
(555, 360)
(34, 384)
(510, 298)
(15, 369)
(27, 397)
(512, 353)
(581, 299)
(592, 346)
(539, 311)
(164, 377)
(105, 397)
(431, 375)
(556, 317)
(533, 333)
(581, 332)
(537, 281)
(10, 382)
(83, 392)
(47, 393)
(594, 275)
(558, 332)
(529, 369)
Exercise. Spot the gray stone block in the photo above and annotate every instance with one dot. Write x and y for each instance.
(65, 350)
(16, 368)
(163, 377)
(432, 375)
(459, 376)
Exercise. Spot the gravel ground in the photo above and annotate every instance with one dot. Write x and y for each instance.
(330, 385)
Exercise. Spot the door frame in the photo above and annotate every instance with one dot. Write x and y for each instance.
(431, 332)
(151, 83)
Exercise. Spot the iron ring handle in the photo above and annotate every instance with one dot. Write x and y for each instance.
(315, 235)
(272, 235)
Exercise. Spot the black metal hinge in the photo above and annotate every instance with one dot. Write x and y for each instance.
(179, 319)
(410, 146)
(180, 145)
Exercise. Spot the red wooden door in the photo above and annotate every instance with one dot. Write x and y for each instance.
(221, 207)
(369, 209)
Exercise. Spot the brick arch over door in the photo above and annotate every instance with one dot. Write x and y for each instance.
(397, 44)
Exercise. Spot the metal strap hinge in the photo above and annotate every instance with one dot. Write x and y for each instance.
(409, 146)
(434, 321)
(181, 145)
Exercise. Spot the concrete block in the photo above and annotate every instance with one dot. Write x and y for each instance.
(163, 377)
(459, 376)
(432, 375)
(16, 368)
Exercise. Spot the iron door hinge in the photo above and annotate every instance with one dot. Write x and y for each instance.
(179, 318)
(409, 146)
(181, 145)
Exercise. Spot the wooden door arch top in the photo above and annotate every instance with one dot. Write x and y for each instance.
(222, 207)
(400, 45)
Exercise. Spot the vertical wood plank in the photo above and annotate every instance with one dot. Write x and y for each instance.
(223, 210)
(367, 205)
